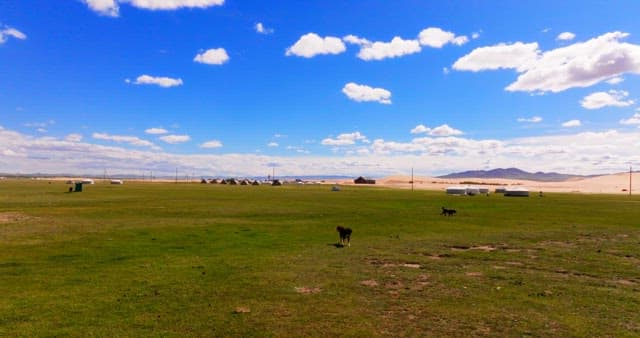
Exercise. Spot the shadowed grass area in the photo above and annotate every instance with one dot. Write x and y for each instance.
(161, 259)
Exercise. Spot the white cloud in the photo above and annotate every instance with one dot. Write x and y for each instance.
(272, 144)
(111, 7)
(345, 139)
(475, 35)
(534, 119)
(436, 38)
(214, 56)
(519, 56)
(615, 80)
(419, 129)
(175, 139)
(382, 50)
(364, 93)
(578, 65)
(73, 138)
(260, 28)
(572, 123)
(635, 119)
(310, 45)
(565, 36)
(156, 131)
(104, 7)
(211, 144)
(613, 98)
(132, 140)
(579, 153)
(11, 32)
(355, 40)
(442, 130)
(161, 81)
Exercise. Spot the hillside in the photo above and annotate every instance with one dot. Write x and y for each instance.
(515, 174)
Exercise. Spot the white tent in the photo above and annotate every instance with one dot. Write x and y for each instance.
(516, 191)
(472, 191)
(456, 190)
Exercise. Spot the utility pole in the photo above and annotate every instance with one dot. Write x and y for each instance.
(411, 179)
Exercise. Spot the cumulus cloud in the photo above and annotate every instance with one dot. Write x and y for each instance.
(311, 44)
(175, 139)
(161, 81)
(156, 131)
(364, 93)
(614, 81)
(580, 64)
(104, 7)
(112, 7)
(635, 119)
(533, 119)
(580, 153)
(612, 98)
(211, 144)
(272, 144)
(132, 140)
(214, 56)
(565, 36)
(572, 124)
(436, 38)
(261, 29)
(8, 32)
(382, 50)
(73, 138)
(519, 56)
(442, 130)
(346, 139)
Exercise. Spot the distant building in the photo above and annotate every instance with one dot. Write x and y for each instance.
(363, 180)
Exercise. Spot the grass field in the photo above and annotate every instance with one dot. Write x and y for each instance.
(161, 259)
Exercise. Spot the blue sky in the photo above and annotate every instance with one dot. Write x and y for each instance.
(229, 87)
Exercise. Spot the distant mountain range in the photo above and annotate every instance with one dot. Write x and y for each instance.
(516, 174)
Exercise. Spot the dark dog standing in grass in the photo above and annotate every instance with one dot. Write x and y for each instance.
(345, 235)
(448, 212)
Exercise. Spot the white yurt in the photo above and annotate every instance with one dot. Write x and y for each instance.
(471, 191)
(516, 192)
(117, 182)
(457, 190)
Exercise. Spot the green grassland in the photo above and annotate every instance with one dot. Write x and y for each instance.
(163, 259)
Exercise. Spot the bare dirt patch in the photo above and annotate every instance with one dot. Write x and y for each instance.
(369, 282)
(12, 217)
(307, 290)
(474, 274)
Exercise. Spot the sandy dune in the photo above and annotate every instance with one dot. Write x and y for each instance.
(609, 184)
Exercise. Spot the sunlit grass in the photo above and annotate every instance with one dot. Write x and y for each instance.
(152, 259)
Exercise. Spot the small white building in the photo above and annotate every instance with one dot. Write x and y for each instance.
(87, 181)
(456, 190)
(117, 182)
(516, 192)
(472, 191)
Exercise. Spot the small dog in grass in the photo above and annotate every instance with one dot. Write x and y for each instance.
(448, 212)
(345, 235)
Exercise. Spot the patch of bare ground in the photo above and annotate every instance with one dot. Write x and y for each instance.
(369, 282)
(485, 248)
(625, 282)
(391, 264)
(12, 217)
(473, 274)
(307, 290)
(242, 309)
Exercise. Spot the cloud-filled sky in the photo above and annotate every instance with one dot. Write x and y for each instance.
(238, 88)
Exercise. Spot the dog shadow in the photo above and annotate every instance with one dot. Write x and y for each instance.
(337, 245)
